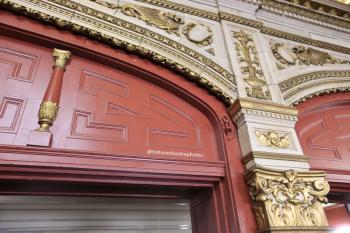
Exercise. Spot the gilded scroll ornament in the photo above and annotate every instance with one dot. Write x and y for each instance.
(288, 199)
(301, 55)
(47, 115)
(198, 33)
(61, 57)
(273, 139)
(250, 66)
(164, 20)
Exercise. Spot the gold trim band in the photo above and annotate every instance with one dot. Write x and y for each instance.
(275, 156)
(262, 106)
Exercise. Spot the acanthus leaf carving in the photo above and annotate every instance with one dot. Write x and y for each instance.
(288, 198)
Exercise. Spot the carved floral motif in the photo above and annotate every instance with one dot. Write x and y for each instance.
(250, 66)
(288, 198)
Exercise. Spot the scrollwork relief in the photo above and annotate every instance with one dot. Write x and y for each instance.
(301, 55)
(288, 198)
(250, 66)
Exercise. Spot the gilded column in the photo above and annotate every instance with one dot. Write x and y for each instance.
(50, 104)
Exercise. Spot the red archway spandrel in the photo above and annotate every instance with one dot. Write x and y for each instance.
(323, 129)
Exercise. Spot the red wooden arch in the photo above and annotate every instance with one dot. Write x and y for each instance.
(79, 164)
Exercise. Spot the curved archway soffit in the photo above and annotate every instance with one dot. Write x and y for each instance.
(302, 87)
(119, 33)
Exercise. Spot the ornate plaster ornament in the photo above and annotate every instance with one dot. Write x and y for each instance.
(198, 33)
(301, 55)
(273, 138)
(61, 57)
(250, 66)
(168, 21)
(288, 200)
(240, 20)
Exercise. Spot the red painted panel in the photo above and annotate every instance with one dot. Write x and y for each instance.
(107, 110)
(338, 215)
(323, 129)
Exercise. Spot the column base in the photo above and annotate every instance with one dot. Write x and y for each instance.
(38, 138)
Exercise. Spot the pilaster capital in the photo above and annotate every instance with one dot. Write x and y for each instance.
(61, 57)
(288, 201)
(245, 109)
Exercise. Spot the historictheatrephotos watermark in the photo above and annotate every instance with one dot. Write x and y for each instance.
(174, 153)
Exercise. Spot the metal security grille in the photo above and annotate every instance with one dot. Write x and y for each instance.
(23, 214)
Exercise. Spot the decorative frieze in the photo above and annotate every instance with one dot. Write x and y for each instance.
(306, 78)
(183, 8)
(335, 18)
(301, 55)
(304, 40)
(288, 201)
(250, 66)
(299, 88)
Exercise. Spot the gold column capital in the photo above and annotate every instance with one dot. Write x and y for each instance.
(288, 201)
(61, 57)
